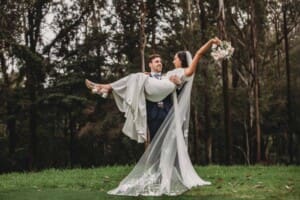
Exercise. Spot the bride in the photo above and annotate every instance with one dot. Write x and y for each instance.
(165, 167)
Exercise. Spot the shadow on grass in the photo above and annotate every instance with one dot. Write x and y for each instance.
(63, 194)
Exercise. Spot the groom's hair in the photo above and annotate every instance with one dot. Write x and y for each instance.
(152, 56)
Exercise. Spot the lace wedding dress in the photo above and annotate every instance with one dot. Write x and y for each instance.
(165, 167)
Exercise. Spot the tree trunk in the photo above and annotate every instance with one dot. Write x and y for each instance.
(247, 145)
(11, 127)
(142, 47)
(31, 89)
(142, 34)
(254, 66)
(197, 133)
(72, 134)
(251, 120)
(10, 107)
(153, 28)
(208, 136)
(32, 123)
(227, 115)
(288, 80)
(32, 36)
(277, 47)
(257, 121)
(226, 97)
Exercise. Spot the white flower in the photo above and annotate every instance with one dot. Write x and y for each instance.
(214, 46)
(216, 56)
(223, 51)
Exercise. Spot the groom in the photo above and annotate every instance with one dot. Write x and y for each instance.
(157, 111)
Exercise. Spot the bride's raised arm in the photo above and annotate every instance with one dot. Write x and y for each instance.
(190, 70)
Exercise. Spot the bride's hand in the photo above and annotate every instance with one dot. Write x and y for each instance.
(216, 41)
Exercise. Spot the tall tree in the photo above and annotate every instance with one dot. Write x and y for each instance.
(143, 40)
(207, 118)
(10, 28)
(288, 80)
(33, 65)
(254, 69)
(226, 97)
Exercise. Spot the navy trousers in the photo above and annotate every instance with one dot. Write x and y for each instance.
(156, 113)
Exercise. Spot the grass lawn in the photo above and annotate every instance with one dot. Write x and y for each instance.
(228, 183)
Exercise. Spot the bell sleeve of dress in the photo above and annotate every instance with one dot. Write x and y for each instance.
(129, 95)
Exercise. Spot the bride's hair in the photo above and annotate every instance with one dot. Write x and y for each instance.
(182, 57)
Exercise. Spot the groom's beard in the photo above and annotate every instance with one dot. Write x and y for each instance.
(158, 67)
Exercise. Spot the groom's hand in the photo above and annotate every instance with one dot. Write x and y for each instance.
(175, 79)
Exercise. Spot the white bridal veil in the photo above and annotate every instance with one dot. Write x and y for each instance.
(165, 167)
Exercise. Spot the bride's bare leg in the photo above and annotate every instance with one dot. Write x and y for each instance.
(104, 87)
(98, 88)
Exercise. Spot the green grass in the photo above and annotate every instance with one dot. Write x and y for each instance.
(235, 182)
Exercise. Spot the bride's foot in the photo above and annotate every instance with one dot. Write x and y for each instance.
(100, 89)
(89, 84)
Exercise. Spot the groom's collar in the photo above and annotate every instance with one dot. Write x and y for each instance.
(154, 73)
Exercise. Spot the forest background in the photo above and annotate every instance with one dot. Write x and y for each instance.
(245, 111)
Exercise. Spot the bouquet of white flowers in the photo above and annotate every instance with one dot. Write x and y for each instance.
(222, 51)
